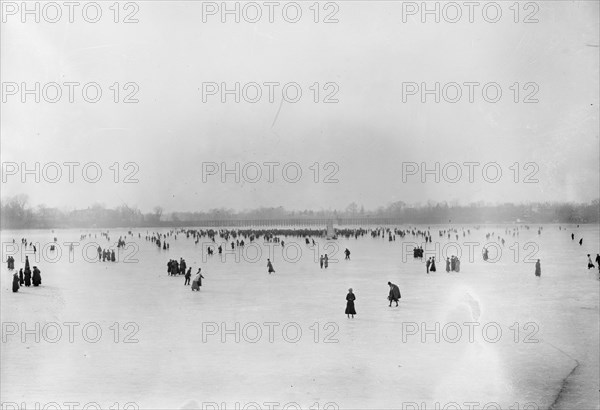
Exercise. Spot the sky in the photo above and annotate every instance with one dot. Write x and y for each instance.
(174, 142)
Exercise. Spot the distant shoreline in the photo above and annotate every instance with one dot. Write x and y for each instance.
(295, 224)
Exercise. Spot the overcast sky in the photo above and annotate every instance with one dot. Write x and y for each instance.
(369, 133)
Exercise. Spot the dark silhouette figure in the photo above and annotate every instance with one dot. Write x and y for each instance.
(350, 298)
(15, 285)
(37, 277)
(394, 295)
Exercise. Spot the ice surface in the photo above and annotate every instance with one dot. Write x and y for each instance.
(368, 365)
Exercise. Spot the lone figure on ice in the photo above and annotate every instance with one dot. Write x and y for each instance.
(590, 264)
(394, 295)
(347, 252)
(538, 269)
(350, 298)
(270, 266)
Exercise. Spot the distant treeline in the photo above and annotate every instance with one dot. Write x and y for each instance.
(16, 214)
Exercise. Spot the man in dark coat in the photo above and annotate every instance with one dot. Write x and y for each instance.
(37, 277)
(538, 268)
(427, 264)
(21, 279)
(394, 295)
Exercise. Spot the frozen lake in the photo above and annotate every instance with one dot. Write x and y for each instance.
(164, 346)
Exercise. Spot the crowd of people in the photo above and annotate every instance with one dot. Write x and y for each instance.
(237, 238)
(26, 276)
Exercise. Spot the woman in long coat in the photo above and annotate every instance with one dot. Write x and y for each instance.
(394, 295)
(21, 279)
(350, 298)
(538, 268)
(270, 266)
(197, 282)
(27, 276)
(15, 282)
(37, 278)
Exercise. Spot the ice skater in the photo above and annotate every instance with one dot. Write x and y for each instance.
(538, 269)
(432, 267)
(321, 261)
(394, 295)
(590, 264)
(347, 252)
(37, 277)
(326, 261)
(188, 275)
(350, 298)
(15, 285)
(270, 266)
(197, 282)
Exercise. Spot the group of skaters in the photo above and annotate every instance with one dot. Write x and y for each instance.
(453, 264)
(106, 255)
(393, 296)
(25, 277)
(175, 268)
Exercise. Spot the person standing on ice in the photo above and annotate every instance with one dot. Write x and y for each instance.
(538, 269)
(432, 267)
(447, 265)
(321, 261)
(188, 275)
(15, 285)
(197, 282)
(590, 264)
(427, 264)
(598, 261)
(347, 252)
(37, 277)
(326, 261)
(350, 298)
(394, 295)
(581, 242)
(270, 266)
